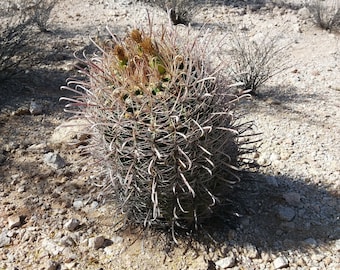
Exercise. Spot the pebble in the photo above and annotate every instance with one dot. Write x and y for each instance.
(35, 108)
(304, 13)
(51, 247)
(337, 245)
(66, 132)
(285, 213)
(97, 242)
(68, 241)
(226, 262)
(78, 204)
(14, 221)
(52, 265)
(23, 110)
(311, 242)
(54, 160)
(72, 224)
(280, 262)
(274, 157)
(252, 252)
(292, 198)
(37, 147)
(4, 239)
(21, 189)
(272, 181)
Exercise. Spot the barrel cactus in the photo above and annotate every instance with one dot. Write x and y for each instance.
(162, 126)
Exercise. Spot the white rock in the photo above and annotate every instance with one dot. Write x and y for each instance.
(97, 242)
(21, 189)
(72, 224)
(280, 262)
(35, 108)
(252, 252)
(78, 204)
(274, 157)
(4, 239)
(51, 247)
(304, 13)
(14, 221)
(226, 262)
(54, 160)
(64, 133)
(52, 265)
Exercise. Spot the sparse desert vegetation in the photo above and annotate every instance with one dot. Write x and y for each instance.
(156, 120)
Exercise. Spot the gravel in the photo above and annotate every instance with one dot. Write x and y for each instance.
(54, 216)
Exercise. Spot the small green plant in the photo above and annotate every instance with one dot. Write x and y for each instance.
(162, 126)
(255, 60)
(326, 13)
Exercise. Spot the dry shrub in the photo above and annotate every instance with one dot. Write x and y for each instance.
(326, 13)
(181, 11)
(254, 60)
(20, 41)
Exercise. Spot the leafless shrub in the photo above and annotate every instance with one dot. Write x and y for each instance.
(254, 60)
(326, 13)
(181, 11)
(20, 37)
(41, 12)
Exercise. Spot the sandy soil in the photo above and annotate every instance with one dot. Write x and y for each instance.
(296, 111)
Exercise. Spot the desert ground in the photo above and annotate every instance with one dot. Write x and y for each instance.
(54, 215)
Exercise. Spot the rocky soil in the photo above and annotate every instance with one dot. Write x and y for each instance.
(53, 214)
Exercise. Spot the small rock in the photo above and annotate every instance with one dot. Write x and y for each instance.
(310, 242)
(94, 205)
(52, 265)
(262, 161)
(226, 262)
(273, 101)
(14, 221)
(23, 110)
(2, 158)
(286, 213)
(337, 245)
(54, 160)
(72, 224)
(51, 247)
(37, 147)
(274, 157)
(78, 204)
(68, 241)
(280, 262)
(4, 239)
(292, 198)
(9, 147)
(304, 13)
(287, 226)
(65, 133)
(21, 189)
(117, 239)
(35, 108)
(97, 242)
(252, 252)
(271, 180)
